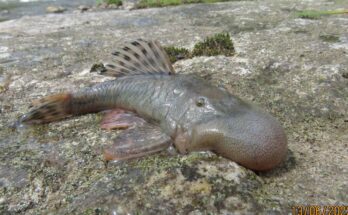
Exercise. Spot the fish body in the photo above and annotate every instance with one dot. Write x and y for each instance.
(182, 109)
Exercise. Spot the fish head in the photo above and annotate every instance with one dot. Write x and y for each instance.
(250, 137)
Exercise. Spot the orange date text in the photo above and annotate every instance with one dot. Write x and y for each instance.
(320, 210)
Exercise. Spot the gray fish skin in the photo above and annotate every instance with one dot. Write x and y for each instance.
(197, 115)
(193, 113)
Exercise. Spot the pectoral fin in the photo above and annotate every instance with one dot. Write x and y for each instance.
(137, 142)
(121, 119)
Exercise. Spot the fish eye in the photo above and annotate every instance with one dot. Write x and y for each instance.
(200, 102)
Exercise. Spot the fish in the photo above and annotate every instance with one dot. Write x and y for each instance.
(158, 108)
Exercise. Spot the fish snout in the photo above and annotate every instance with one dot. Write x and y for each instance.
(255, 140)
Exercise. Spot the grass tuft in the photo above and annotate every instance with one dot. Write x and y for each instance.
(110, 2)
(314, 14)
(218, 44)
(164, 3)
(329, 38)
(176, 54)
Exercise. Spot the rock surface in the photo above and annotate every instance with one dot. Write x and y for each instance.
(55, 9)
(14, 9)
(284, 64)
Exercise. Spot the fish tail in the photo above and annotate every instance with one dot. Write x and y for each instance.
(63, 105)
(48, 109)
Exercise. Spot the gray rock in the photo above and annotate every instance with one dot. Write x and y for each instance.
(83, 8)
(282, 63)
(4, 11)
(130, 4)
(55, 9)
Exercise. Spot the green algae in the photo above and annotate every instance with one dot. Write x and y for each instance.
(316, 14)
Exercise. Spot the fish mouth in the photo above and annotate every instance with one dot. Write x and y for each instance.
(255, 140)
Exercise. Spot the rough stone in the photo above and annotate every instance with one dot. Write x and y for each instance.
(83, 8)
(282, 64)
(55, 9)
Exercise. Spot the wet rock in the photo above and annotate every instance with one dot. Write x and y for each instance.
(83, 8)
(4, 11)
(108, 6)
(130, 4)
(55, 9)
(12, 177)
(5, 81)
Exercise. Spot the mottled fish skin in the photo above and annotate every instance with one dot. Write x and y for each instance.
(195, 114)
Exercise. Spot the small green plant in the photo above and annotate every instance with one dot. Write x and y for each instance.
(98, 68)
(164, 3)
(329, 38)
(218, 44)
(157, 3)
(110, 2)
(314, 14)
(176, 54)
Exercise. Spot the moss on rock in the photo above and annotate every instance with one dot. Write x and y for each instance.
(316, 14)
(110, 2)
(176, 53)
(218, 44)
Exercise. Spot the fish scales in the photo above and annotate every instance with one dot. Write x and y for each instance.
(143, 94)
(169, 108)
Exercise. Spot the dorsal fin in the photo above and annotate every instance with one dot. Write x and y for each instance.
(139, 57)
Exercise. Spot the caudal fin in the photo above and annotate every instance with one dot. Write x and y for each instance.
(48, 109)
